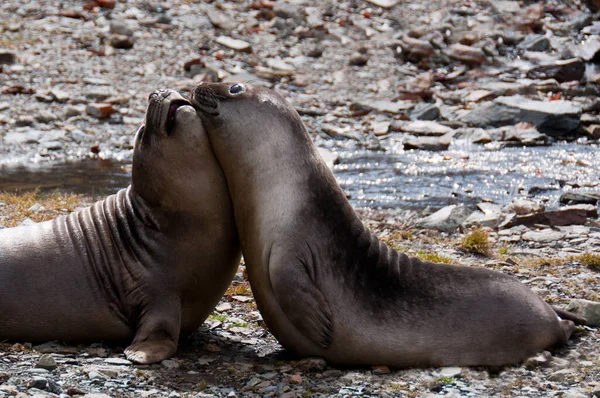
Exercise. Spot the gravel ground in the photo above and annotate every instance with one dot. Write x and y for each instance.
(74, 79)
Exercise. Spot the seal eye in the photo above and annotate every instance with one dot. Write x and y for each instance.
(236, 89)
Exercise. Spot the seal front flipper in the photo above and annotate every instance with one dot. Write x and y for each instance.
(157, 331)
(301, 300)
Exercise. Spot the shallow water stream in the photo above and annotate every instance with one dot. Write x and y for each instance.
(392, 179)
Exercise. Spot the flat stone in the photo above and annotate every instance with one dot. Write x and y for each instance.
(477, 95)
(559, 119)
(564, 375)
(523, 207)
(419, 127)
(26, 137)
(100, 110)
(543, 236)
(118, 361)
(451, 371)
(428, 143)
(331, 158)
(220, 20)
(572, 198)
(384, 3)
(590, 310)
(446, 219)
(535, 43)
(235, 44)
(425, 111)
(170, 364)
(223, 307)
(466, 54)
(394, 107)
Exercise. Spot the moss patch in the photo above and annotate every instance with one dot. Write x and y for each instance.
(477, 242)
(433, 257)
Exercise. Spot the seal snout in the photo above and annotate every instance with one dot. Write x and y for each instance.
(162, 110)
(205, 100)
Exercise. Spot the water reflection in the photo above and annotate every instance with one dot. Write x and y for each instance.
(95, 177)
(393, 179)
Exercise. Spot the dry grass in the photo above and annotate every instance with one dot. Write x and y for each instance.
(588, 259)
(433, 257)
(239, 289)
(15, 207)
(477, 242)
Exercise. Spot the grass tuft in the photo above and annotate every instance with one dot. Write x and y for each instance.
(433, 257)
(477, 242)
(589, 260)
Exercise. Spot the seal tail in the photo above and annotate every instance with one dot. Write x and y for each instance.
(564, 314)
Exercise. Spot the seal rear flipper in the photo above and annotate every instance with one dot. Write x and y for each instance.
(157, 332)
(564, 314)
(302, 302)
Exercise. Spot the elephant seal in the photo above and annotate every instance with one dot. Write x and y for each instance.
(325, 285)
(145, 264)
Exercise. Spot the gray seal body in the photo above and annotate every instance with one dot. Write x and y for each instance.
(325, 285)
(147, 263)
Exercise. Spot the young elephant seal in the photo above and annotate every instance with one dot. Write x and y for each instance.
(325, 285)
(146, 263)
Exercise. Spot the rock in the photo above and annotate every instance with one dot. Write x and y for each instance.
(564, 375)
(394, 107)
(466, 54)
(331, 158)
(562, 71)
(384, 3)
(575, 393)
(38, 382)
(450, 372)
(535, 42)
(120, 28)
(425, 111)
(541, 360)
(122, 41)
(223, 307)
(235, 44)
(296, 379)
(7, 57)
(590, 310)
(558, 119)
(523, 207)
(559, 363)
(44, 116)
(473, 135)
(574, 198)
(46, 361)
(419, 127)
(24, 120)
(97, 376)
(569, 215)
(477, 95)
(118, 361)
(446, 219)
(414, 50)
(220, 20)
(195, 22)
(26, 137)
(380, 370)
(100, 110)
(358, 59)
(593, 131)
(380, 127)
(543, 236)
(312, 364)
(170, 364)
(428, 143)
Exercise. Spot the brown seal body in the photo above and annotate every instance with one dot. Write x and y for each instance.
(145, 264)
(325, 285)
